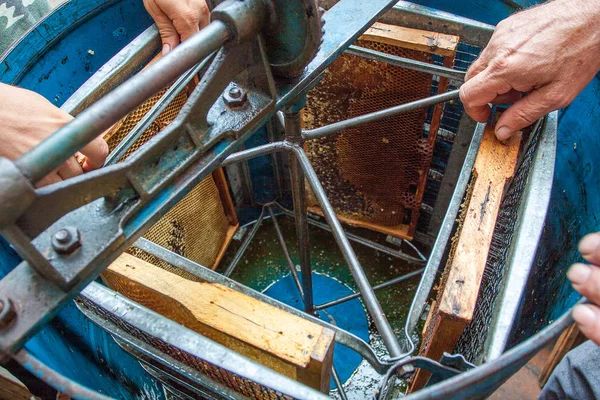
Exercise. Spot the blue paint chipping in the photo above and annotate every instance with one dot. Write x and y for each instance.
(350, 315)
(71, 44)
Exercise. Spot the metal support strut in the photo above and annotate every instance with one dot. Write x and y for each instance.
(293, 132)
(368, 294)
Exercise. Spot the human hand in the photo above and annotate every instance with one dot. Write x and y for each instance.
(177, 20)
(550, 52)
(27, 119)
(586, 280)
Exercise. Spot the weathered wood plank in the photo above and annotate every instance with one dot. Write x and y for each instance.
(494, 168)
(415, 39)
(569, 339)
(284, 342)
(13, 389)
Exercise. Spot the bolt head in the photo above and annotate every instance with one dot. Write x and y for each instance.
(235, 97)
(62, 236)
(66, 240)
(235, 92)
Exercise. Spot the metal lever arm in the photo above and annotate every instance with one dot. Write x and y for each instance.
(112, 207)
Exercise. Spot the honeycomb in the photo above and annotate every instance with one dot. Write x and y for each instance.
(198, 227)
(371, 173)
(119, 131)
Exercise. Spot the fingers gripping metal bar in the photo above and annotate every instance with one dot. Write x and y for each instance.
(57, 148)
(371, 302)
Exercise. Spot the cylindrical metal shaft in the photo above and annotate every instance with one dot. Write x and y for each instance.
(407, 63)
(379, 115)
(378, 287)
(293, 132)
(57, 148)
(286, 253)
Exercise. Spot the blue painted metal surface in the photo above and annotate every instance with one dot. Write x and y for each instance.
(350, 315)
(574, 212)
(60, 53)
(261, 171)
(488, 11)
(55, 59)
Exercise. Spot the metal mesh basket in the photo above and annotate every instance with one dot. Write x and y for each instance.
(472, 341)
(372, 174)
(202, 224)
(124, 332)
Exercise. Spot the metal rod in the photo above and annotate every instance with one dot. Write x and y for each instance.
(247, 188)
(366, 242)
(154, 112)
(407, 63)
(293, 132)
(334, 374)
(371, 302)
(379, 115)
(240, 253)
(338, 383)
(280, 118)
(258, 151)
(59, 382)
(286, 252)
(271, 137)
(378, 287)
(416, 16)
(71, 138)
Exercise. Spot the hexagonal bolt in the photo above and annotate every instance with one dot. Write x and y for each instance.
(66, 240)
(235, 97)
(7, 312)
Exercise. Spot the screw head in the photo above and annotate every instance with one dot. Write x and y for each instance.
(66, 240)
(62, 236)
(235, 92)
(7, 312)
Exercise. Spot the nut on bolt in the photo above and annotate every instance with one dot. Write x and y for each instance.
(7, 312)
(235, 97)
(66, 240)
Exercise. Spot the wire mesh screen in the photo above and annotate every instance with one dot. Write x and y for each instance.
(371, 173)
(449, 128)
(119, 131)
(196, 228)
(156, 346)
(201, 225)
(472, 341)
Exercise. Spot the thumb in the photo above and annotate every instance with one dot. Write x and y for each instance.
(524, 113)
(168, 34)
